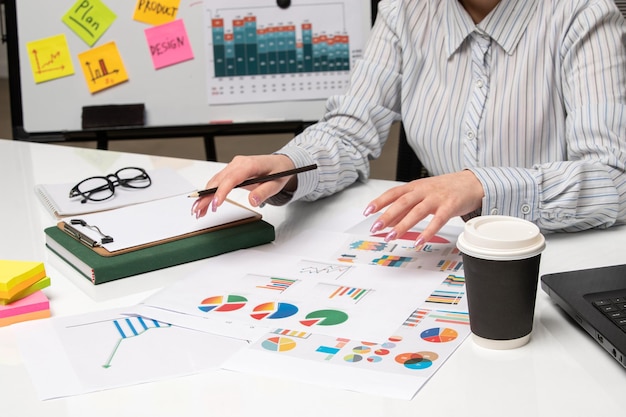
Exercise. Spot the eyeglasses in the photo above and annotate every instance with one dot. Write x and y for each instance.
(103, 188)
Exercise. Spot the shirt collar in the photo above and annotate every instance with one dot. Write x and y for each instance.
(505, 24)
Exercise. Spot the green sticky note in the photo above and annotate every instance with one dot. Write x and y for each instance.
(89, 19)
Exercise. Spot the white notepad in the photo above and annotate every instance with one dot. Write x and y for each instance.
(165, 183)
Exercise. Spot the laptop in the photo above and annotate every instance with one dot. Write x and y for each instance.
(596, 299)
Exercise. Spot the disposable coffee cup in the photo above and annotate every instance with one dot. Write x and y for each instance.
(501, 256)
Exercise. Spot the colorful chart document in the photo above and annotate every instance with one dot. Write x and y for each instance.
(356, 313)
(260, 52)
(321, 308)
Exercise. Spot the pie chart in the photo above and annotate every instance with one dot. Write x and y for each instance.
(223, 303)
(278, 344)
(362, 350)
(273, 310)
(324, 318)
(352, 358)
(419, 360)
(439, 335)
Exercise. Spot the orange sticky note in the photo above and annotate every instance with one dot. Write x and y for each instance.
(156, 12)
(103, 67)
(38, 285)
(34, 306)
(50, 58)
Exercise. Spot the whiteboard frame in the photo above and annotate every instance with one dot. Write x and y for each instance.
(33, 120)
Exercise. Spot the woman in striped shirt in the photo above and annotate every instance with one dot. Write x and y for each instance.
(514, 107)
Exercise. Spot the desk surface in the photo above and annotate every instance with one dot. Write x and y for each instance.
(562, 371)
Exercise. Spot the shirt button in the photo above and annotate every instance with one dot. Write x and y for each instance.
(525, 208)
(479, 83)
(494, 211)
(470, 135)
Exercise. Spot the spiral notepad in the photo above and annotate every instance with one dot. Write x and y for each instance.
(165, 183)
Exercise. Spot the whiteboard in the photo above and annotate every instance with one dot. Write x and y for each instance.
(187, 93)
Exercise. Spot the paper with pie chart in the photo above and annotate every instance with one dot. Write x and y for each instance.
(290, 292)
(397, 366)
(378, 327)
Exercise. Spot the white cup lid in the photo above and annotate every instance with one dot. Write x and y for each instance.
(500, 238)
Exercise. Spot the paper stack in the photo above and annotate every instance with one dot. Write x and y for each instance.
(21, 297)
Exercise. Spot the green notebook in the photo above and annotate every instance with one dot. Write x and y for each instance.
(99, 269)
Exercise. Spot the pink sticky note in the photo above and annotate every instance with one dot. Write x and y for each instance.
(34, 302)
(169, 44)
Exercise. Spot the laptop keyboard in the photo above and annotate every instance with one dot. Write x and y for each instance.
(614, 308)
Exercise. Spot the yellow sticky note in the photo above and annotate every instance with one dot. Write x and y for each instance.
(50, 58)
(103, 67)
(15, 276)
(89, 19)
(156, 12)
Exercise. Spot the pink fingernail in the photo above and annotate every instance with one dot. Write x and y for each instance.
(255, 200)
(391, 236)
(419, 242)
(214, 205)
(368, 210)
(376, 226)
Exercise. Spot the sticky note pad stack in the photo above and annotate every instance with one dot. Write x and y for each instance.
(21, 297)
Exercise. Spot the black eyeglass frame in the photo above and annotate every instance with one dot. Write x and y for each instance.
(112, 181)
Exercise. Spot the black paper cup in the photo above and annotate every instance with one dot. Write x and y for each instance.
(501, 257)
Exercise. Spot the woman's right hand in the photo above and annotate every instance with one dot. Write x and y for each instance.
(240, 169)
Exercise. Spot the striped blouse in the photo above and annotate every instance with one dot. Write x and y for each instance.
(532, 100)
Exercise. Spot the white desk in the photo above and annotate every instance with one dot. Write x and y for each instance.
(562, 372)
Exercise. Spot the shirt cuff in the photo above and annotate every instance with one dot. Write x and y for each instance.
(509, 191)
(307, 181)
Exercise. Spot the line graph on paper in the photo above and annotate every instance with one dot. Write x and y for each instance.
(322, 269)
(118, 347)
(117, 330)
(132, 327)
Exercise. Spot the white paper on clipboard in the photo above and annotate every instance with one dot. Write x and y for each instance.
(145, 223)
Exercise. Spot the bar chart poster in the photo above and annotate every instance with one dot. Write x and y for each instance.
(263, 53)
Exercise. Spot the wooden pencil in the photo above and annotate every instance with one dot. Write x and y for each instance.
(258, 180)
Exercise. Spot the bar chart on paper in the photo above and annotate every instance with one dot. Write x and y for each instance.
(261, 52)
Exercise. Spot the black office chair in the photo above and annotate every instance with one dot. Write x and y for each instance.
(408, 167)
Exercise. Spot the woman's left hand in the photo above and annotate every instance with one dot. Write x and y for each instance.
(443, 196)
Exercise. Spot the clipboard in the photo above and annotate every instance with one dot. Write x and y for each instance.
(92, 243)
(101, 269)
